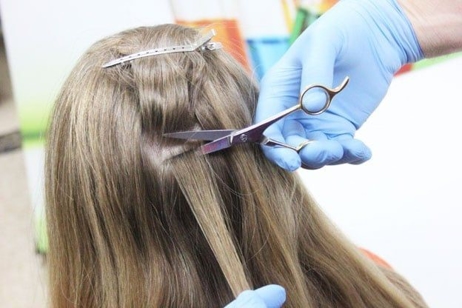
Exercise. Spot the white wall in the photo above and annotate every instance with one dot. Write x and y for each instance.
(45, 38)
(405, 204)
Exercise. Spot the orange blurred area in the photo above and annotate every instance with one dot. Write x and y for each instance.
(404, 69)
(228, 33)
(327, 4)
(377, 260)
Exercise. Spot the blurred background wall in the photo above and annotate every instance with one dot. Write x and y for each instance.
(22, 270)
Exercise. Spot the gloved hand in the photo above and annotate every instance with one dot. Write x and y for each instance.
(270, 296)
(367, 40)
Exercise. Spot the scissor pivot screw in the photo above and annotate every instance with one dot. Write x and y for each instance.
(244, 138)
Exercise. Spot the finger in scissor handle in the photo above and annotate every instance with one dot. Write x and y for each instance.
(274, 143)
(316, 99)
(302, 145)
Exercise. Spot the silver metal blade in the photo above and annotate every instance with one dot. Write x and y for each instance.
(207, 135)
(217, 145)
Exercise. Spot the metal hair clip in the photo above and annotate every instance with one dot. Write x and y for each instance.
(203, 43)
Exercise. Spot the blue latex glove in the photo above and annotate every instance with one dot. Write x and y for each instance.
(367, 40)
(270, 296)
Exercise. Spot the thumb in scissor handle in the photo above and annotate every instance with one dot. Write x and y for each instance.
(316, 92)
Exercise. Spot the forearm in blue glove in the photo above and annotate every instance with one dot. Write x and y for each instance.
(367, 40)
(270, 296)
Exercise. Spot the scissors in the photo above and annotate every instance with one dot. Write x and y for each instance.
(224, 138)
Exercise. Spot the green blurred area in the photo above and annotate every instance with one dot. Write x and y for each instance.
(428, 62)
(33, 119)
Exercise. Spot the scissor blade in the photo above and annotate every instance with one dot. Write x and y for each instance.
(207, 135)
(216, 145)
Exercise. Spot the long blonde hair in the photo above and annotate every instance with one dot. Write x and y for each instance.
(139, 220)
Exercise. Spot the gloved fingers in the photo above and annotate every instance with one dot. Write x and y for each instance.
(291, 128)
(279, 90)
(320, 152)
(354, 151)
(295, 134)
(318, 60)
(283, 157)
(247, 299)
(299, 142)
(273, 295)
(270, 296)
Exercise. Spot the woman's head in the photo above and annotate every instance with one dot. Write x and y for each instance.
(137, 219)
(122, 191)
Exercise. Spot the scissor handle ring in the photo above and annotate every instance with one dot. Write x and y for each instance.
(330, 93)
